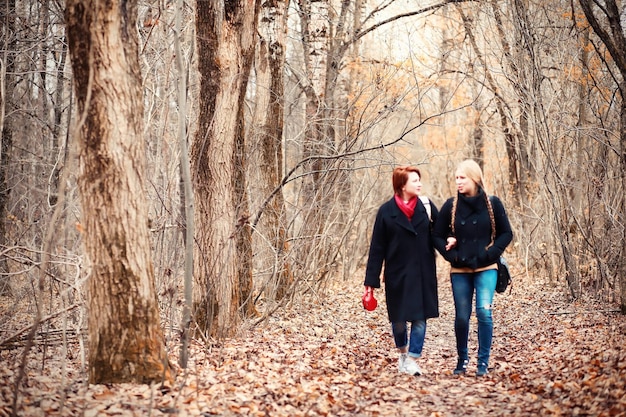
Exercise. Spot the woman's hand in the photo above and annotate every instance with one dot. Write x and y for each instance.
(451, 243)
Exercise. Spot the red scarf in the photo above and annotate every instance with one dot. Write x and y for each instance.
(407, 208)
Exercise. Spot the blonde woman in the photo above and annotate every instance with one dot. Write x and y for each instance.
(471, 232)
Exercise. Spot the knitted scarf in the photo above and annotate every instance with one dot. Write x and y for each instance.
(407, 208)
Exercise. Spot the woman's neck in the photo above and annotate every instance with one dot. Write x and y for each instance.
(406, 197)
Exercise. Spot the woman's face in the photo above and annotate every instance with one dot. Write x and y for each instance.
(412, 187)
(465, 185)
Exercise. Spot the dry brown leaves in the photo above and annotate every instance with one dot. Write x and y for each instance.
(331, 358)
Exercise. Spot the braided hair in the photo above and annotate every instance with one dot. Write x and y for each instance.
(475, 173)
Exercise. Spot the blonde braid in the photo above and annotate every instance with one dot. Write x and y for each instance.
(453, 215)
(492, 219)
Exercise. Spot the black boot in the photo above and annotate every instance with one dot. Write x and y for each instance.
(461, 366)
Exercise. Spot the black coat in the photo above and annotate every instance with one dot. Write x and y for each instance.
(473, 231)
(407, 251)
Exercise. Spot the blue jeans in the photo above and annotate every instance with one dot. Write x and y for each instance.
(415, 342)
(463, 286)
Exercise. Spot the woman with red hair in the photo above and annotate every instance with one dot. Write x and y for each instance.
(401, 240)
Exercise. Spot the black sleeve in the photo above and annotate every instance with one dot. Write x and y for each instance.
(376, 257)
(442, 230)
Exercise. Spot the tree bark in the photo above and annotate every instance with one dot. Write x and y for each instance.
(267, 135)
(225, 33)
(316, 29)
(186, 187)
(319, 134)
(622, 268)
(125, 338)
(8, 81)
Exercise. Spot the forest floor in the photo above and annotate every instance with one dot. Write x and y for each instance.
(332, 358)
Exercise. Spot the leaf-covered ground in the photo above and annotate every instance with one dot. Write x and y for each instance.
(331, 358)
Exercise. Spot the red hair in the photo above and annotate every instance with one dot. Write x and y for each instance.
(401, 176)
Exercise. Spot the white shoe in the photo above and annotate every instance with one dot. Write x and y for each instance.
(401, 361)
(409, 366)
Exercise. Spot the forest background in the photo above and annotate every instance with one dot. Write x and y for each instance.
(268, 134)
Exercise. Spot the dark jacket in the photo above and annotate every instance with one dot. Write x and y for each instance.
(407, 251)
(472, 231)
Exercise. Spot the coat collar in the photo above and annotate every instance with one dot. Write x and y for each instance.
(472, 204)
(399, 217)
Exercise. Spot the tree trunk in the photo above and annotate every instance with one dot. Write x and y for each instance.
(125, 338)
(186, 187)
(319, 140)
(8, 80)
(509, 137)
(225, 33)
(316, 29)
(267, 136)
(241, 207)
(621, 273)
(521, 168)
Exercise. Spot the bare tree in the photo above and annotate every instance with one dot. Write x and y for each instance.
(187, 189)
(328, 31)
(36, 102)
(553, 95)
(7, 86)
(499, 101)
(266, 135)
(607, 18)
(125, 338)
(225, 33)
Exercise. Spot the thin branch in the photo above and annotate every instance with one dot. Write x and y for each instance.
(288, 177)
(392, 19)
(33, 326)
(560, 313)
